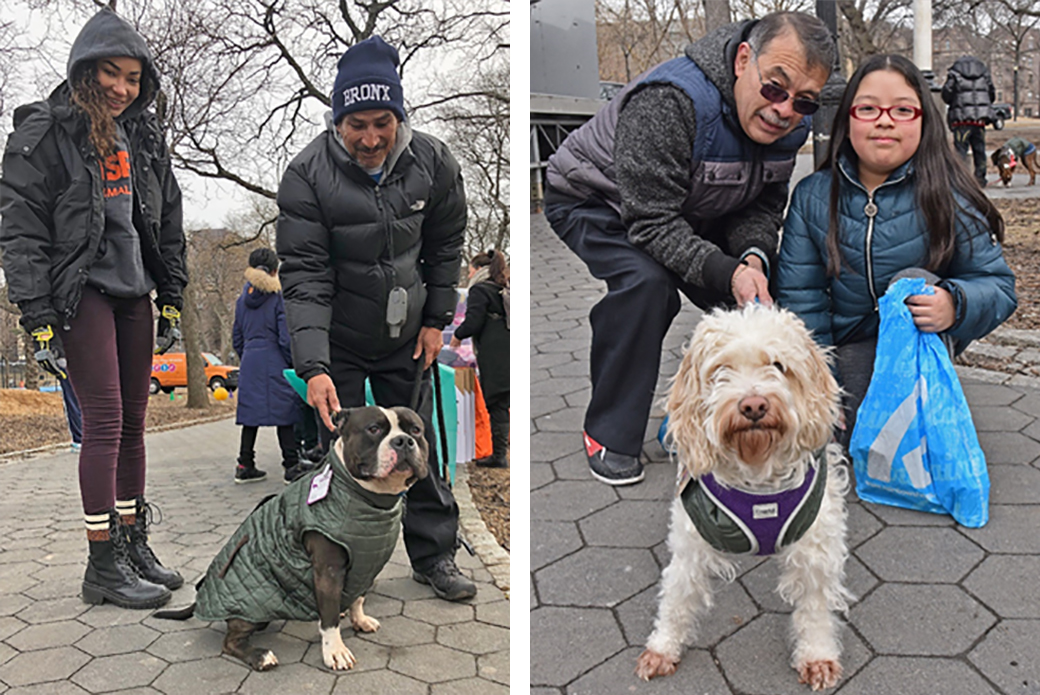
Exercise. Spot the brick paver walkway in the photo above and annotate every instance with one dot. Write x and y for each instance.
(51, 642)
(940, 609)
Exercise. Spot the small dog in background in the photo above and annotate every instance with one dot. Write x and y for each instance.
(751, 414)
(1015, 150)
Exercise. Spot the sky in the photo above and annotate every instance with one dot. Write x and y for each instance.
(207, 202)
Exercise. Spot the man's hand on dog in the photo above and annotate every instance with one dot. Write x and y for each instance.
(430, 342)
(321, 395)
(749, 283)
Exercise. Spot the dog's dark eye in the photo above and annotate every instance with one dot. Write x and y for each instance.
(416, 429)
(373, 429)
(779, 367)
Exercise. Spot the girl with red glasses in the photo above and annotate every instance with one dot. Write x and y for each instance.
(892, 200)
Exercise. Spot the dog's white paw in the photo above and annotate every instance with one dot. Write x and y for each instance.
(651, 664)
(267, 661)
(365, 623)
(334, 653)
(819, 674)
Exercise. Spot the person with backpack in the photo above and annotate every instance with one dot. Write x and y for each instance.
(487, 322)
(970, 93)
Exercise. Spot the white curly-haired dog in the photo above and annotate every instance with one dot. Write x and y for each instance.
(751, 413)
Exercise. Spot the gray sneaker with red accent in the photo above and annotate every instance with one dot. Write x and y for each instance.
(611, 467)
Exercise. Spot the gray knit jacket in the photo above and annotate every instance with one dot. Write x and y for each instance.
(650, 172)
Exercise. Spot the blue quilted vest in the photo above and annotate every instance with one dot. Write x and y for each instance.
(728, 169)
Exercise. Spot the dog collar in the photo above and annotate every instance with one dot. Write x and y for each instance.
(749, 523)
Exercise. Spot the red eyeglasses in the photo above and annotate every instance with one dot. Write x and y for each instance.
(776, 94)
(900, 114)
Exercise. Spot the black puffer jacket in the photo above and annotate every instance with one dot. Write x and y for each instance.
(486, 324)
(52, 202)
(345, 242)
(969, 91)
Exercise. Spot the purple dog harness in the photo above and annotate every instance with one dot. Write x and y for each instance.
(750, 523)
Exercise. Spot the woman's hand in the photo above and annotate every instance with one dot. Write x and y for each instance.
(455, 343)
(932, 313)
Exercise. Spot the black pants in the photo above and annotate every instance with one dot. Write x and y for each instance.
(628, 325)
(498, 411)
(286, 442)
(431, 518)
(972, 136)
(306, 430)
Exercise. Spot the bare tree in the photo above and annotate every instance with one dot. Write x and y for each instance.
(198, 392)
(717, 13)
(633, 35)
(479, 139)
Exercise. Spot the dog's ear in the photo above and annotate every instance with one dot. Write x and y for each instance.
(340, 417)
(687, 411)
(821, 398)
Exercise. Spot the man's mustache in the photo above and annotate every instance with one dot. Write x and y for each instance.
(371, 150)
(773, 119)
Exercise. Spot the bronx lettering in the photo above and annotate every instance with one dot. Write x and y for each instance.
(366, 92)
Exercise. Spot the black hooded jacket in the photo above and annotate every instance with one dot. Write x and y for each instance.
(969, 91)
(52, 205)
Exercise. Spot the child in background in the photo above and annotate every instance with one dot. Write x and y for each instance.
(892, 200)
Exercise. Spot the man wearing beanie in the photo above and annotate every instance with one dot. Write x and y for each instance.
(370, 228)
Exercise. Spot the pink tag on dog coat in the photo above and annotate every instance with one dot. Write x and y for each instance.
(320, 485)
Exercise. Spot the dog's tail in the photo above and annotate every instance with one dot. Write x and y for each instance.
(181, 614)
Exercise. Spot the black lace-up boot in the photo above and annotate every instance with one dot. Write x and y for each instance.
(110, 574)
(135, 520)
(446, 580)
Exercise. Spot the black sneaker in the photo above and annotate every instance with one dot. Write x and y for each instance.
(446, 580)
(244, 474)
(297, 471)
(611, 467)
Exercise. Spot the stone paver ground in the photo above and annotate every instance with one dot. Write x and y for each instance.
(51, 642)
(939, 609)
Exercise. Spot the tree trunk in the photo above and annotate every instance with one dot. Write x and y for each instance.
(716, 14)
(32, 367)
(198, 392)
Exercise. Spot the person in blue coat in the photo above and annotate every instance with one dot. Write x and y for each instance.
(891, 200)
(261, 339)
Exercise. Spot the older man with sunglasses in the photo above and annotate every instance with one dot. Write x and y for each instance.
(679, 184)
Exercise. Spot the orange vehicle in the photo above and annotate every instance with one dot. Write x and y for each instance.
(170, 371)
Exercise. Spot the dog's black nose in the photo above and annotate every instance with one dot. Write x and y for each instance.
(402, 441)
(754, 408)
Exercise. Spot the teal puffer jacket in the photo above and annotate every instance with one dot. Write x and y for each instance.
(844, 309)
(264, 573)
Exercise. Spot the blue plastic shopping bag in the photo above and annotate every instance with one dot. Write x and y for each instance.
(915, 445)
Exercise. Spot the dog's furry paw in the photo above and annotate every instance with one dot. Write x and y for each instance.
(820, 674)
(651, 664)
(333, 652)
(264, 660)
(338, 658)
(365, 623)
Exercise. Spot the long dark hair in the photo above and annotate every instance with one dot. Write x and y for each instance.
(938, 171)
(88, 96)
(498, 269)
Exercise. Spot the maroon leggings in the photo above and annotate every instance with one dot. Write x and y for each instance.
(109, 349)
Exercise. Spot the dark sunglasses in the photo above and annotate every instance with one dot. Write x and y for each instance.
(775, 94)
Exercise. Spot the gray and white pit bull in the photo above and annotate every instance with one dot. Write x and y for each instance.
(313, 550)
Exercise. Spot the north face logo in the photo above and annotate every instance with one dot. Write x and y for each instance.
(366, 92)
